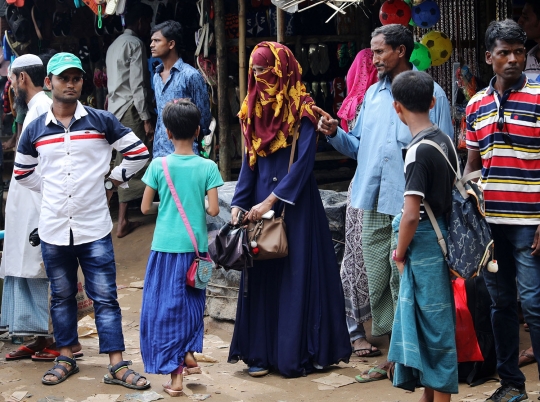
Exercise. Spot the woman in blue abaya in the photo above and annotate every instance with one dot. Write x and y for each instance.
(292, 319)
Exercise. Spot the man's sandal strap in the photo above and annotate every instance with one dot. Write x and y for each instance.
(134, 380)
(119, 366)
(54, 371)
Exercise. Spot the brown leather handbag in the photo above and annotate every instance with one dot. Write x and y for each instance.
(268, 237)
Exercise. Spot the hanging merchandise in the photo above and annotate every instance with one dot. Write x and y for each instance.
(439, 45)
(426, 14)
(410, 4)
(395, 12)
(420, 57)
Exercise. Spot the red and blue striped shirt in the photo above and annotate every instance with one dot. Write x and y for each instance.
(506, 131)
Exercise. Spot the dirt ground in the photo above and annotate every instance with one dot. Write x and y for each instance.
(220, 381)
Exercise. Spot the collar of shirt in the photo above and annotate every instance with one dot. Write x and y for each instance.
(514, 88)
(79, 112)
(35, 99)
(177, 66)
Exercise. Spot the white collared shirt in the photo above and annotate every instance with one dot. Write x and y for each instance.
(74, 162)
(532, 65)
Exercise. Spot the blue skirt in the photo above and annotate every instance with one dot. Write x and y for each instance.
(171, 314)
(423, 343)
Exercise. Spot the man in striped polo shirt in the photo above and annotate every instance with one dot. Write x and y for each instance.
(503, 139)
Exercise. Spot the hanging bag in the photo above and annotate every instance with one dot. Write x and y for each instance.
(466, 221)
(201, 268)
(268, 237)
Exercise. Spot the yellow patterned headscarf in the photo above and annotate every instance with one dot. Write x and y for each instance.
(275, 101)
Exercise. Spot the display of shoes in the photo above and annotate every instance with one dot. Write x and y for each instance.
(324, 61)
(313, 55)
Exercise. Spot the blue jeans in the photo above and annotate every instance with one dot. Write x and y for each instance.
(97, 263)
(513, 254)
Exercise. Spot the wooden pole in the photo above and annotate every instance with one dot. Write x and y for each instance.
(223, 80)
(242, 71)
(280, 25)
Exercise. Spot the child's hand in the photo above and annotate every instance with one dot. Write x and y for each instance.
(400, 267)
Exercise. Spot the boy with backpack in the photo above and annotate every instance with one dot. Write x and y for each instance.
(423, 335)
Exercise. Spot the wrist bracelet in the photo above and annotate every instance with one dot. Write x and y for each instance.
(396, 259)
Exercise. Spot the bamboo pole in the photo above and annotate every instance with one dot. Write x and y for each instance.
(280, 25)
(223, 80)
(242, 72)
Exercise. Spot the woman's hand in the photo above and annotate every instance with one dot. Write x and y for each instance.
(257, 211)
(234, 215)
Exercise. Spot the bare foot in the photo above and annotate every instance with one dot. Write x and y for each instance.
(427, 396)
(189, 360)
(526, 357)
(126, 228)
(362, 348)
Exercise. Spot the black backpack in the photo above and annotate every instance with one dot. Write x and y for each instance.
(479, 303)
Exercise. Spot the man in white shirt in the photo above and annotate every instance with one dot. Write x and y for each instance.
(130, 94)
(25, 296)
(530, 23)
(72, 144)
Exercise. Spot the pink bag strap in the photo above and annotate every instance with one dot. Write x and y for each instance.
(179, 205)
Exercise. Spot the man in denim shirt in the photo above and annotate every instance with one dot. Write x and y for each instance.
(175, 79)
(376, 143)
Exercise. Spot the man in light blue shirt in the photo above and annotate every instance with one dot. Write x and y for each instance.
(175, 79)
(376, 142)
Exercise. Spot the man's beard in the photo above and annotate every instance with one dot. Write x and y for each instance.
(20, 101)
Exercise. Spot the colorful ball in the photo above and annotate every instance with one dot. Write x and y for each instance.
(439, 45)
(426, 14)
(395, 12)
(420, 57)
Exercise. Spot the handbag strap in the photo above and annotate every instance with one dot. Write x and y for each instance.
(293, 150)
(440, 238)
(179, 205)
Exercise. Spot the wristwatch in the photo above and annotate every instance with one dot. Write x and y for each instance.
(109, 185)
(396, 259)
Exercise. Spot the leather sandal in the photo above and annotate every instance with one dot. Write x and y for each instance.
(111, 377)
(58, 368)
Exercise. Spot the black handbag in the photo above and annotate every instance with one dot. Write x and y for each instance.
(230, 250)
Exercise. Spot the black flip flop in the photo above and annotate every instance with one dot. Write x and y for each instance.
(54, 371)
(372, 353)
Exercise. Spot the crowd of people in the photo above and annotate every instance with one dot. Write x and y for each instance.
(298, 314)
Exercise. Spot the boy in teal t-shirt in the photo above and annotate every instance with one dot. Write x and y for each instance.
(172, 325)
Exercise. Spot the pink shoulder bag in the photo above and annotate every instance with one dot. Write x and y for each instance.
(201, 268)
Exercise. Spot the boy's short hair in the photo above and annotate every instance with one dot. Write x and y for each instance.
(181, 117)
(507, 31)
(414, 90)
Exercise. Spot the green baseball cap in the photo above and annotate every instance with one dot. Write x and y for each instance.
(62, 61)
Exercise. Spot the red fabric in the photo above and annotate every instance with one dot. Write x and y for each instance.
(7, 106)
(467, 346)
(275, 101)
(360, 77)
